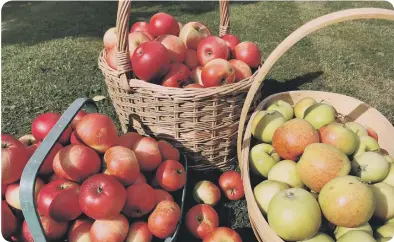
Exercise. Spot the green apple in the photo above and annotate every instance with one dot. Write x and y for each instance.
(286, 171)
(356, 236)
(386, 230)
(265, 123)
(294, 214)
(390, 221)
(265, 191)
(302, 105)
(315, 194)
(339, 230)
(357, 128)
(390, 177)
(262, 158)
(319, 237)
(284, 108)
(320, 114)
(384, 197)
(367, 143)
(339, 136)
(389, 158)
(384, 240)
(370, 167)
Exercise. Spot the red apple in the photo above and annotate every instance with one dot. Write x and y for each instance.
(194, 85)
(76, 163)
(211, 48)
(242, 70)
(59, 200)
(163, 23)
(14, 157)
(192, 33)
(44, 123)
(171, 175)
(97, 131)
(110, 230)
(75, 140)
(164, 219)
(139, 232)
(110, 38)
(249, 53)
(47, 166)
(80, 230)
(78, 117)
(129, 139)
(201, 220)
(12, 193)
(101, 196)
(177, 75)
(140, 27)
(168, 151)
(176, 48)
(223, 233)
(195, 75)
(231, 184)
(372, 133)
(110, 57)
(3, 189)
(147, 153)
(9, 223)
(140, 179)
(150, 61)
(191, 59)
(121, 163)
(206, 192)
(140, 200)
(54, 177)
(154, 183)
(135, 39)
(217, 72)
(53, 230)
(28, 140)
(162, 195)
(231, 41)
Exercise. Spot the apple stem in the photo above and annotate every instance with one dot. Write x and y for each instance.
(99, 190)
(290, 194)
(200, 219)
(271, 152)
(179, 172)
(4, 145)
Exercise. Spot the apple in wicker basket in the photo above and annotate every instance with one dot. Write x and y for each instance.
(195, 75)
(110, 38)
(177, 75)
(232, 41)
(111, 58)
(191, 59)
(162, 24)
(192, 33)
(217, 72)
(194, 85)
(210, 48)
(142, 27)
(176, 48)
(135, 39)
(249, 53)
(242, 70)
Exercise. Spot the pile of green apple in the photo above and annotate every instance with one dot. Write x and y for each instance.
(319, 178)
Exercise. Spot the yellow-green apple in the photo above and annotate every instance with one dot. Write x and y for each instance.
(390, 177)
(320, 114)
(384, 195)
(389, 158)
(112, 229)
(163, 23)
(177, 75)
(302, 206)
(302, 105)
(80, 230)
(242, 70)
(321, 163)
(286, 171)
(356, 235)
(337, 195)
(283, 107)
(206, 192)
(139, 232)
(231, 184)
(191, 59)
(211, 48)
(223, 234)
(291, 138)
(110, 38)
(249, 53)
(176, 48)
(195, 75)
(232, 41)
(366, 144)
(140, 200)
(371, 167)
(262, 158)
(372, 133)
(28, 140)
(320, 237)
(135, 39)
(192, 33)
(53, 230)
(9, 224)
(385, 231)
(201, 220)
(128, 139)
(357, 128)
(14, 157)
(265, 123)
(12, 193)
(339, 230)
(339, 136)
(148, 153)
(390, 221)
(265, 191)
(217, 72)
(168, 151)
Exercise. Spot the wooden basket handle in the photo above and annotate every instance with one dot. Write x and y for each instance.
(292, 39)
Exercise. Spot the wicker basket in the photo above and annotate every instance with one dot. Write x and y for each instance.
(350, 108)
(201, 122)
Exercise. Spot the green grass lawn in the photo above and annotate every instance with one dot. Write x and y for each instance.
(50, 50)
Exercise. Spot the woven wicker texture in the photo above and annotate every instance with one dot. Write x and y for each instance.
(203, 123)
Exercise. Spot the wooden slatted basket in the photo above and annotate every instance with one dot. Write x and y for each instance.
(202, 122)
(351, 108)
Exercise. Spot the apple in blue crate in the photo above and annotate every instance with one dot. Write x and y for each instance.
(366, 144)
(265, 191)
(320, 114)
(284, 108)
(262, 158)
(265, 123)
(357, 128)
(370, 167)
(339, 136)
(302, 105)
(356, 235)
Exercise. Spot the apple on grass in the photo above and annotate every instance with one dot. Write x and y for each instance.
(366, 144)
(265, 191)
(53, 230)
(283, 107)
(171, 175)
(242, 70)
(206, 192)
(217, 72)
(357, 128)
(384, 194)
(249, 53)
(302, 105)
(139, 232)
(28, 140)
(140, 200)
(191, 59)
(320, 114)
(164, 219)
(80, 230)
(162, 24)
(12, 193)
(286, 171)
(371, 167)
(265, 123)
(231, 184)
(201, 220)
(339, 136)
(356, 235)
(14, 157)
(135, 39)
(112, 229)
(177, 75)
(192, 33)
(211, 48)
(176, 48)
(232, 41)
(262, 158)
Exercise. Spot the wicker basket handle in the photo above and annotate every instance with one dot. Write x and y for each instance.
(292, 39)
(224, 27)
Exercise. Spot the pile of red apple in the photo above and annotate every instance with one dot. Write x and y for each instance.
(320, 177)
(93, 183)
(165, 52)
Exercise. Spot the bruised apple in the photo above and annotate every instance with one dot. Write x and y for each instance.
(139, 232)
(176, 48)
(164, 219)
(177, 75)
(206, 192)
(14, 157)
(113, 229)
(12, 193)
(148, 153)
(249, 53)
(162, 195)
(217, 72)
(168, 151)
(110, 38)
(221, 233)
(242, 70)
(140, 200)
(80, 230)
(44, 123)
(192, 33)
(163, 23)
(53, 230)
(128, 139)
(135, 39)
(191, 59)
(211, 48)
(171, 175)
(231, 184)
(201, 220)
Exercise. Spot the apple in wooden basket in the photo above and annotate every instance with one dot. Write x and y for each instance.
(162, 24)
(286, 171)
(111, 58)
(201, 220)
(140, 200)
(164, 219)
(366, 144)
(231, 184)
(217, 72)
(320, 114)
(195, 75)
(211, 48)
(371, 167)
(139, 232)
(191, 59)
(113, 229)
(302, 105)
(150, 61)
(110, 38)
(128, 139)
(384, 195)
(242, 70)
(14, 157)
(232, 41)
(9, 223)
(283, 107)
(53, 230)
(265, 191)
(28, 140)
(44, 123)
(223, 233)
(148, 153)
(339, 136)
(176, 48)
(339, 230)
(192, 33)
(249, 53)
(168, 151)
(357, 128)
(177, 75)
(162, 195)
(265, 123)
(372, 133)
(135, 39)
(80, 230)
(171, 175)
(357, 235)
(12, 193)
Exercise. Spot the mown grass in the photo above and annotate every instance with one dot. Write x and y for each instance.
(50, 49)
